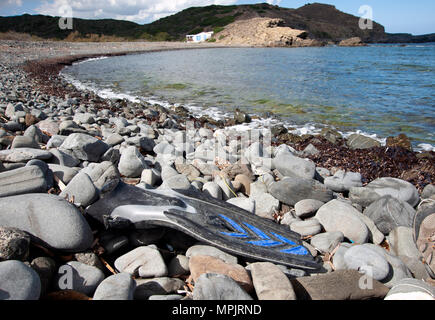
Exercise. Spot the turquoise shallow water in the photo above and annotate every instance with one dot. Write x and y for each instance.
(380, 89)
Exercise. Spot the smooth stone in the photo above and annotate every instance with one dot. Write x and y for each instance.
(428, 191)
(291, 166)
(206, 264)
(18, 281)
(292, 190)
(65, 174)
(84, 147)
(245, 183)
(178, 182)
(378, 188)
(307, 208)
(342, 181)
(146, 288)
(243, 203)
(81, 277)
(338, 257)
(178, 266)
(340, 216)
(55, 141)
(89, 258)
(187, 170)
(14, 244)
(213, 190)
(114, 139)
(411, 289)
(328, 241)
(365, 259)
(105, 176)
(375, 236)
(397, 268)
(337, 285)
(168, 172)
(310, 150)
(61, 227)
(265, 204)
(270, 282)
(306, 228)
(24, 155)
(82, 190)
(358, 141)
(145, 262)
(49, 126)
(217, 287)
(289, 218)
(150, 177)
(63, 159)
(132, 163)
(117, 287)
(401, 241)
(25, 142)
(388, 213)
(84, 118)
(204, 250)
(30, 179)
(206, 169)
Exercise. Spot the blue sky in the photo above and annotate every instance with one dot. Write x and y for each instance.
(415, 17)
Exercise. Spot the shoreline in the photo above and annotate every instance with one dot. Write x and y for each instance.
(45, 70)
(69, 156)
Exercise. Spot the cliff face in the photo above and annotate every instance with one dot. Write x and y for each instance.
(263, 32)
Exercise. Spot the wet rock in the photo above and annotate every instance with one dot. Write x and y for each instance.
(212, 286)
(18, 281)
(400, 141)
(49, 219)
(14, 244)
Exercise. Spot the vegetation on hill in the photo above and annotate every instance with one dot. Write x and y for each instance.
(321, 21)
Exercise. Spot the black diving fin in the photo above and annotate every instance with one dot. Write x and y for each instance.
(206, 219)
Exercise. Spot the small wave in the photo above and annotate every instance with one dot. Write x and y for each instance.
(217, 114)
(90, 59)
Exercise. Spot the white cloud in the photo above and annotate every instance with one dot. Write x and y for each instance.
(134, 10)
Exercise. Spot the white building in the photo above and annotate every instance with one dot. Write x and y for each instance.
(200, 37)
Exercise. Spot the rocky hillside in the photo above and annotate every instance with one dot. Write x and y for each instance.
(320, 21)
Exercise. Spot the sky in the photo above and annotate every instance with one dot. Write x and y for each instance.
(416, 17)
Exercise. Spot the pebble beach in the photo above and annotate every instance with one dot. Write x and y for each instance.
(352, 200)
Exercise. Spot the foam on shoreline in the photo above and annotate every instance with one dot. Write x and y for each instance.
(217, 114)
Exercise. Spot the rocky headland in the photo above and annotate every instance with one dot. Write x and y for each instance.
(353, 201)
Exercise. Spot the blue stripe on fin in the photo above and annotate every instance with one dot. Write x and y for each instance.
(300, 251)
